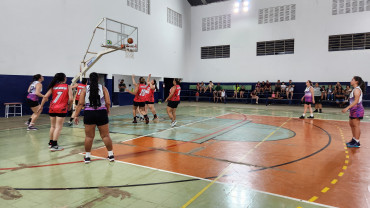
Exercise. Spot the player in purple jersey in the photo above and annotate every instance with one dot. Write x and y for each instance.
(34, 92)
(356, 110)
(308, 99)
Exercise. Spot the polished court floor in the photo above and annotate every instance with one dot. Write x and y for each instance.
(219, 155)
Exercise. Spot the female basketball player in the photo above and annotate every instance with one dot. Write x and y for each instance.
(97, 101)
(140, 98)
(356, 110)
(173, 101)
(151, 88)
(308, 99)
(59, 105)
(79, 87)
(34, 92)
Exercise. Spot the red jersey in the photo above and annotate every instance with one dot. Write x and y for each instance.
(150, 94)
(176, 95)
(141, 94)
(59, 103)
(80, 87)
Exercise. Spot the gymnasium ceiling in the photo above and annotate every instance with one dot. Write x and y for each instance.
(203, 2)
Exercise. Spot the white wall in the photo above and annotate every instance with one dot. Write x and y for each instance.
(44, 36)
(311, 60)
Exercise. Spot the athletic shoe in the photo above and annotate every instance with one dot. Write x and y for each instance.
(310, 117)
(141, 119)
(56, 148)
(320, 111)
(70, 123)
(27, 123)
(147, 120)
(156, 118)
(111, 158)
(302, 117)
(87, 160)
(316, 111)
(135, 121)
(50, 145)
(173, 124)
(31, 128)
(353, 144)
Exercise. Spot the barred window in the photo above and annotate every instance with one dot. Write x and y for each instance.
(174, 18)
(216, 23)
(212, 52)
(346, 42)
(275, 47)
(140, 5)
(277, 14)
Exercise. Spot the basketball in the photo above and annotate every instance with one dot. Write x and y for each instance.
(130, 41)
(109, 42)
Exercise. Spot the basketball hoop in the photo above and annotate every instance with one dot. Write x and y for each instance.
(130, 49)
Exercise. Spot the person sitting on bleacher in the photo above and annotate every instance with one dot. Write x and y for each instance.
(324, 93)
(289, 92)
(217, 92)
(268, 86)
(210, 87)
(347, 92)
(339, 97)
(283, 88)
(330, 93)
(202, 87)
(236, 91)
(263, 85)
(223, 96)
(258, 87)
(254, 95)
(242, 91)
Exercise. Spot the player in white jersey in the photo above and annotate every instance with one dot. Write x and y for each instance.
(34, 93)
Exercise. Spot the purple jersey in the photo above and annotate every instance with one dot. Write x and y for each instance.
(32, 93)
(356, 111)
(308, 95)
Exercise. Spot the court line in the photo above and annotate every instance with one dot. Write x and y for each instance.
(229, 167)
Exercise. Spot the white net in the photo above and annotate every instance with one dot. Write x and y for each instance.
(130, 49)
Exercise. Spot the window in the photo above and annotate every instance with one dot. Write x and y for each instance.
(212, 52)
(174, 18)
(277, 14)
(140, 5)
(349, 6)
(275, 47)
(216, 23)
(346, 42)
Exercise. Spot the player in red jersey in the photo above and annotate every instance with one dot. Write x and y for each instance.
(59, 105)
(79, 87)
(173, 101)
(140, 98)
(151, 88)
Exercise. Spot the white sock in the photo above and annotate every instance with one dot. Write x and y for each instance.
(87, 154)
(311, 115)
(304, 115)
(110, 153)
(356, 140)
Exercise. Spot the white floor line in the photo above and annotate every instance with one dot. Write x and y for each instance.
(218, 182)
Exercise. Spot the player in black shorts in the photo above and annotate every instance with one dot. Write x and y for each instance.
(97, 103)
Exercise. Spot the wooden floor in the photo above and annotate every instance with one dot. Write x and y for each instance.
(218, 156)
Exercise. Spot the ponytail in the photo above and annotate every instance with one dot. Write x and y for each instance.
(36, 77)
(155, 84)
(310, 82)
(58, 77)
(178, 81)
(94, 91)
(361, 83)
(84, 81)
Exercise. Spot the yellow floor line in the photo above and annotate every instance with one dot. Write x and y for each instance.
(229, 167)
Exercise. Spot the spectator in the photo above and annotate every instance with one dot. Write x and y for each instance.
(122, 86)
(263, 86)
(347, 92)
(258, 87)
(330, 93)
(283, 88)
(197, 96)
(337, 86)
(242, 91)
(339, 97)
(317, 95)
(198, 87)
(254, 96)
(290, 83)
(223, 96)
(202, 87)
(278, 88)
(268, 86)
(324, 93)
(269, 99)
(289, 92)
(218, 90)
(236, 90)
(210, 87)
